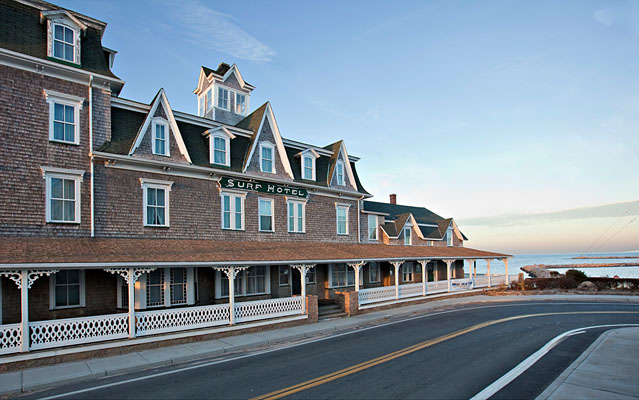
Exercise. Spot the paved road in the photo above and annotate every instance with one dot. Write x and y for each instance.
(451, 354)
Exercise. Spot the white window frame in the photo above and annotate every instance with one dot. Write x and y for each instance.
(156, 184)
(338, 207)
(272, 147)
(243, 275)
(374, 266)
(408, 235)
(296, 216)
(407, 272)
(52, 289)
(288, 274)
(449, 238)
(339, 172)
(227, 143)
(242, 112)
(141, 289)
(76, 102)
(201, 105)
(304, 158)
(259, 215)
(76, 43)
(373, 219)
(68, 174)
(159, 121)
(217, 98)
(208, 97)
(349, 271)
(232, 195)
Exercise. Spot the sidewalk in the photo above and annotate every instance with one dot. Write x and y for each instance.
(58, 374)
(608, 369)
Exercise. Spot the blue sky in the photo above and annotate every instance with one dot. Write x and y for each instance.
(487, 111)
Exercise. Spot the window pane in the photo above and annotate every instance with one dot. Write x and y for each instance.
(69, 210)
(61, 296)
(155, 277)
(159, 216)
(69, 114)
(155, 295)
(58, 49)
(238, 213)
(59, 32)
(56, 188)
(69, 189)
(73, 295)
(68, 35)
(73, 276)
(291, 217)
(58, 131)
(69, 133)
(68, 52)
(56, 210)
(300, 217)
(58, 112)
(160, 197)
(61, 278)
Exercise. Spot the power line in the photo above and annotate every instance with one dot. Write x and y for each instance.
(622, 228)
(610, 227)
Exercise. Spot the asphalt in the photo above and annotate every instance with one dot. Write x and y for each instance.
(607, 350)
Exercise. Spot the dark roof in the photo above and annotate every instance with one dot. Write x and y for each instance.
(430, 232)
(422, 215)
(222, 69)
(21, 31)
(252, 123)
(21, 250)
(390, 229)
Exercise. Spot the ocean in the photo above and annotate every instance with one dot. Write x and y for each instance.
(519, 260)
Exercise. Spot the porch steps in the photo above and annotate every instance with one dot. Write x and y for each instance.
(329, 311)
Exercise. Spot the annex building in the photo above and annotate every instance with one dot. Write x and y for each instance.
(121, 219)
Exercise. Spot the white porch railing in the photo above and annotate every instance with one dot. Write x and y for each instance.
(10, 338)
(410, 290)
(67, 332)
(481, 281)
(374, 295)
(265, 309)
(497, 280)
(181, 319)
(437, 287)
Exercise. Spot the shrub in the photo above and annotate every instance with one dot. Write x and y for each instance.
(577, 275)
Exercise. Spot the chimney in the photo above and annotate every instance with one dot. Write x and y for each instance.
(393, 198)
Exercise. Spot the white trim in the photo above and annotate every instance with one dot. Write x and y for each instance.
(52, 288)
(339, 165)
(246, 108)
(295, 204)
(219, 87)
(259, 215)
(155, 184)
(270, 146)
(232, 194)
(53, 97)
(77, 177)
(51, 24)
(368, 230)
(227, 149)
(303, 165)
(159, 121)
(337, 208)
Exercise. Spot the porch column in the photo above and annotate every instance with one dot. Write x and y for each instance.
(423, 263)
(397, 264)
(130, 276)
(470, 273)
(507, 279)
(24, 304)
(488, 271)
(474, 269)
(231, 272)
(448, 262)
(303, 268)
(356, 267)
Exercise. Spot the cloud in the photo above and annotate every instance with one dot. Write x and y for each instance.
(217, 31)
(614, 210)
(604, 17)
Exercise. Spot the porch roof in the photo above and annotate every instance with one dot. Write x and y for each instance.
(33, 252)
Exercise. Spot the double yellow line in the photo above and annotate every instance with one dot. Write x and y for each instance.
(408, 350)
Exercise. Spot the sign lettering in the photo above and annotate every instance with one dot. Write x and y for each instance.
(262, 187)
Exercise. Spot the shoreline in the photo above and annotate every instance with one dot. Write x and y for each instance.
(604, 258)
(529, 268)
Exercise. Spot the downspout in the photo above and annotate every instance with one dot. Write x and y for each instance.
(91, 153)
(359, 237)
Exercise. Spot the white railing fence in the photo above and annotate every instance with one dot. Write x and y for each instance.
(374, 295)
(410, 290)
(265, 309)
(497, 280)
(71, 331)
(481, 281)
(180, 319)
(437, 287)
(10, 338)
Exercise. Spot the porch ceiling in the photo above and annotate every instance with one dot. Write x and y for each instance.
(16, 252)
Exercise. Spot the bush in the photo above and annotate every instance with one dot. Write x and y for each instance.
(577, 275)
(554, 274)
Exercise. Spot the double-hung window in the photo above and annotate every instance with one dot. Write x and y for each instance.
(156, 202)
(373, 272)
(223, 98)
(240, 103)
(265, 215)
(310, 276)
(219, 150)
(285, 275)
(407, 272)
(160, 137)
(308, 168)
(296, 216)
(165, 287)
(64, 117)
(62, 195)
(407, 237)
(340, 173)
(342, 219)
(343, 275)
(64, 43)
(372, 227)
(233, 211)
(266, 158)
(252, 281)
(449, 237)
(67, 289)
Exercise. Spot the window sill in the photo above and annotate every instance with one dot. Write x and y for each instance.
(297, 233)
(66, 307)
(65, 62)
(342, 234)
(156, 226)
(233, 229)
(64, 142)
(261, 231)
(64, 222)
(163, 155)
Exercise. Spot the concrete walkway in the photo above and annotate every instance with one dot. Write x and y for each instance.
(59, 374)
(608, 369)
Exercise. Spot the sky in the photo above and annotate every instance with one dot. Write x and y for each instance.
(518, 119)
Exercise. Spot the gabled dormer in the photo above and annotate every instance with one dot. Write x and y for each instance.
(308, 164)
(223, 94)
(63, 36)
(266, 155)
(159, 137)
(340, 173)
(219, 146)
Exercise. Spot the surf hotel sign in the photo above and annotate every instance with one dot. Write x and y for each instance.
(262, 187)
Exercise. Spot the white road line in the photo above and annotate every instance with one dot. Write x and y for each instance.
(530, 361)
(257, 353)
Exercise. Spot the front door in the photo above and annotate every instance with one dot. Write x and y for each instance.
(431, 276)
(296, 284)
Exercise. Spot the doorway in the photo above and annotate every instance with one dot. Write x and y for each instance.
(296, 283)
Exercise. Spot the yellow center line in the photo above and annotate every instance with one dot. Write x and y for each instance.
(408, 350)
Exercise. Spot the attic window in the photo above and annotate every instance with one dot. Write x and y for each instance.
(223, 98)
(449, 237)
(63, 43)
(240, 104)
(308, 168)
(266, 158)
(220, 146)
(160, 138)
(407, 238)
(340, 173)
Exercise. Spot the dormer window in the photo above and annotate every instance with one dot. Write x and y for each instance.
(449, 237)
(220, 146)
(407, 238)
(160, 137)
(63, 43)
(309, 167)
(240, 103)
(340, 173)
(219, 150)
(266, 158)
(223, 98)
